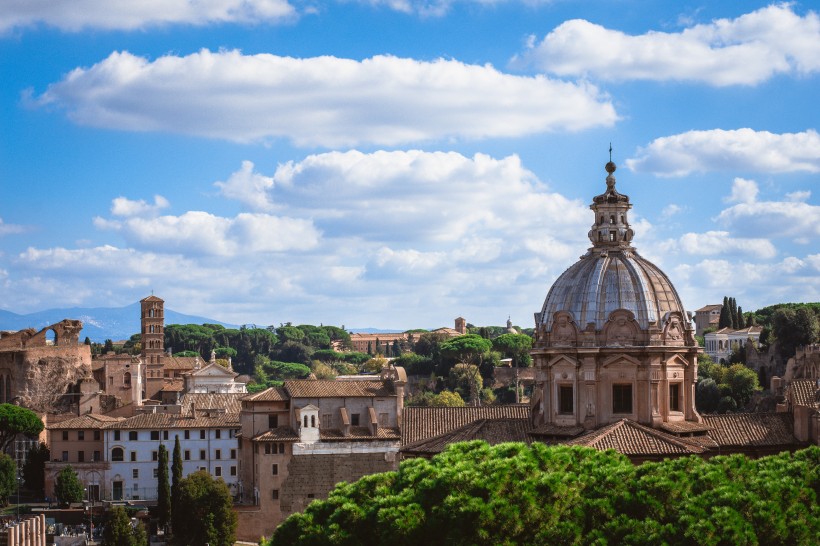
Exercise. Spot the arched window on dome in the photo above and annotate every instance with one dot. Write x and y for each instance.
(622, 219)
(611, 218)
(612, 236)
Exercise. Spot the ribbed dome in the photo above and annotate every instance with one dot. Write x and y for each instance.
(611, 275)
(601, 282)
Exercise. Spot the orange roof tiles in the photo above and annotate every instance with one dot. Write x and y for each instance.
(751, 429)
(337, 389)
(631, 438)
(273, 394)
(421, 423)
(165, 421)
(802, 392)
(87, 421)
(492, 431)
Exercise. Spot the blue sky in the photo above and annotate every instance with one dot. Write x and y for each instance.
(400, 163)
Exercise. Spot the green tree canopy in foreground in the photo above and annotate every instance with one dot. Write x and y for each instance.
(16, 420)
(67, 487)
(119, 531)
(205, 514)
(518, 494)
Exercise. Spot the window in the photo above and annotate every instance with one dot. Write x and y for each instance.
(133, 435)
(565, 401)
(313, 421)
(65, 456)
(218, 454)
(612, 236)
(187, 434)
(154, 456)
(81, 456)
(354, 419)
(201, 434)
(80, 435)
(65, 435)
(275, 494)
(116, 435)
(274, 469)
(135, 473)
(117, 454)
(96, 456)
(273, 421)
(233, 471)
(384, 419)
(155, 435)
(281, 448)
(674, 397)
(136, 487)
(217, 471)
(133, 456)
(233, 454)
(202, 456)
(621, 398)
(267, 449)
(217, 434)
(96, 434)
(164, 434)
(156, 472)
(187, 455)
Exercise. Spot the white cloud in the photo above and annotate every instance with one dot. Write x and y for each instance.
(671, 210)
(743, 51)
(722, 150)
(77, 15)
(322, 101)
(122, 206)
(713, 243)
(9, 229)
(743, 191)
(248, 187)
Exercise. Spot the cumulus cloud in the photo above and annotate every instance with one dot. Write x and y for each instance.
(321, 101)
(713, 243)
(77, 15)
(122, 206)
(735, 150)
(743, 191)
(248, 187)
(8, 229)
(743, 51)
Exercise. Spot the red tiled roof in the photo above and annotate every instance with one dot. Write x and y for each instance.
(273, 394)
(165, 421)
(359, 434)
(87, 421)
(751, 429)
(549, 429)
(173, 385)
(280, 434)
(683, 427)
(492, 431)
(230, 402)
(421, 423)
(317, 388)
(803, 392)
(631, 438)
(709, 308)
(181, 362)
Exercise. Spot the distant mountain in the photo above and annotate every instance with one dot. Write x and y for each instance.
(99, 323)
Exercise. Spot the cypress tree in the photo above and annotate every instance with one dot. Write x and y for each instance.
(725, 320)
(163, 488)
(741, 322)
(176, 476)
(733, 311)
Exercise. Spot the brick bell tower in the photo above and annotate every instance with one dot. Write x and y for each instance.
(152, 320)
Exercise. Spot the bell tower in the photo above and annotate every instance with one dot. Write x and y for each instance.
(152, 320)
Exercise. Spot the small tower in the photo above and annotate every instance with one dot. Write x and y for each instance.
(461, 325)
(152, 320)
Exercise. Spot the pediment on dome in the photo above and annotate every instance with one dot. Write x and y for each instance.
(564, 330)
(621, 329)
(674, 329)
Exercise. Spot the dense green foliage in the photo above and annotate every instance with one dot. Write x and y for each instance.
(67, 487)
(723, 388)
(16, 420)
(515, 346)
(34, 469)
(208, 516)
(517, 494)
(8, 478)
(163, 488)
(119, 531)
(443, 398)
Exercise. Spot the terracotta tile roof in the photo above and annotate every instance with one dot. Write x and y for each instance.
(273, 394)
(549, 429)
(359, 434)
(230, 402)
(281, 434)
(173, 385)
(683, 427)
(421, 423)
(709, 307)
(492, 431)
(313, 388)
(181, 362)
(803, 392)
(631, 438)
(751, 429)
(165, 421)
(87, 421)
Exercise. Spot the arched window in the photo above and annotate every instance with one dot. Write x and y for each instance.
(117, 454)
(306, 421)
(313, 421)
(126, 379)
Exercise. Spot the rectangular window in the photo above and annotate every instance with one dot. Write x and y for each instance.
(274, 469)
(275, 494)
(96, 434)
(202, 455)
(621, 398)
(65, 456)
(267, 449)
(133, 456)
(81, 456)
(217, 471)
(187, 454)
(273, 421)
(354, 419)
(96, 456)
(116, 435)
(156, 472)
(201, 434)
(218, 454)
(233, 454)
(65, 435)
(111, 380)
(135, 473)
(133, 435)
(233, 471)
(674, 397)
(187, 434)
(217, 434)
(154, 456)
(281, 448)
(565, 401)
(80, 435)
(164, 434)
(155, 435)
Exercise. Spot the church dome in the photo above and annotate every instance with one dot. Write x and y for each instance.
(611, 275)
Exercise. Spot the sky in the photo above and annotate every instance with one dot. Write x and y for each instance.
(400, 163)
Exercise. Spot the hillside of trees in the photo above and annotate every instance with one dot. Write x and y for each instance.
(517, 494)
